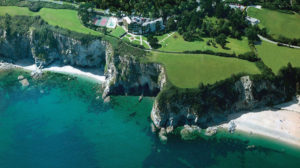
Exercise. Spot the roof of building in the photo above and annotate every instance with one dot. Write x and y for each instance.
(127, 19)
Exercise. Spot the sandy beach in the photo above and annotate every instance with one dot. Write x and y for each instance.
(281, 123)
(86, 72)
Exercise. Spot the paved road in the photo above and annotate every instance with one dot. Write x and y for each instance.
(274, 42)
(268, 40)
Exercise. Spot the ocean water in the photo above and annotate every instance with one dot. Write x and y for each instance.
(60, 121)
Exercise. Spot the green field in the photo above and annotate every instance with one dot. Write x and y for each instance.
(277, 23)
(119, 31)
(178, 44)
(188, 70)
(276, 57)
(63, 18)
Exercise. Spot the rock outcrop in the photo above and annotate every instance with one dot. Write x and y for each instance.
(209, 107)
(44, 50)
(127, 75)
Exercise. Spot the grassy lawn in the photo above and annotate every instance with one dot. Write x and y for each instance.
(188, 70)
(178, 44)
(278, 23)
(145, 45)
(63, 18)
(276, 57)
(119, 31)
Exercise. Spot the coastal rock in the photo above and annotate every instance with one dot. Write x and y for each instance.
(64, 49)
(163, 135)
(231, 126)
(217, 103)
(126, 75)
(190, 132)
(107, 99)
(210, 131)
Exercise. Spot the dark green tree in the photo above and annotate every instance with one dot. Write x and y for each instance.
(221, 39)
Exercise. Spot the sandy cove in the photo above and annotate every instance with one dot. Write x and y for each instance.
(281, 123)
(86, 72)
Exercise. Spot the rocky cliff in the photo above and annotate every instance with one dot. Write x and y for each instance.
(126, 74)
(47, 47)
(211, 105)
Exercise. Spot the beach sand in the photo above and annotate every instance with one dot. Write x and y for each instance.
(86, 72)
(281, 122)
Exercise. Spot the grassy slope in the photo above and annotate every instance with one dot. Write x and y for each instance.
(276, 57)
(119, 31)
(187, 71)
(179, 45)
(63, 18)
(278, 23)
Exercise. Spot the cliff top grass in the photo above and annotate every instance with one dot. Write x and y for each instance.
(278, 23)
(178, 44)
(277, 57)
(189, 70)
(64, 18)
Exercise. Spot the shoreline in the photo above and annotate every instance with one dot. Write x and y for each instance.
(68, 70)
(281, 123)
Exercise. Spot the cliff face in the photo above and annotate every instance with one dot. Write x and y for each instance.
(45, 49)
(210, 107)
(126, 75)
(14, 48)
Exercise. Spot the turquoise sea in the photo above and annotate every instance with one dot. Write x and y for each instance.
(60, 121)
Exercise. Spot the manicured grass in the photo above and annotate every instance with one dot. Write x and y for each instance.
(188, 70)
(178, 44)
(276, 57)
(278, 23)
(145, 45)
(63, 18)
(119, 31)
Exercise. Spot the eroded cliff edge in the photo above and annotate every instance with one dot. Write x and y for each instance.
(127, 74)
(210, 105)
(44, 44)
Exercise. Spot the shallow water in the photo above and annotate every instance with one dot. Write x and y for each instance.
(59, 122)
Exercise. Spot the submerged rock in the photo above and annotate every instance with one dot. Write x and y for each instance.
(21, 77)
(24, 82)
(190, 132)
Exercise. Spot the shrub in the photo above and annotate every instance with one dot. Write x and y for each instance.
(35, 7)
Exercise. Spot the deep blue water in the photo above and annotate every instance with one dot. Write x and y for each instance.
(58, 122)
